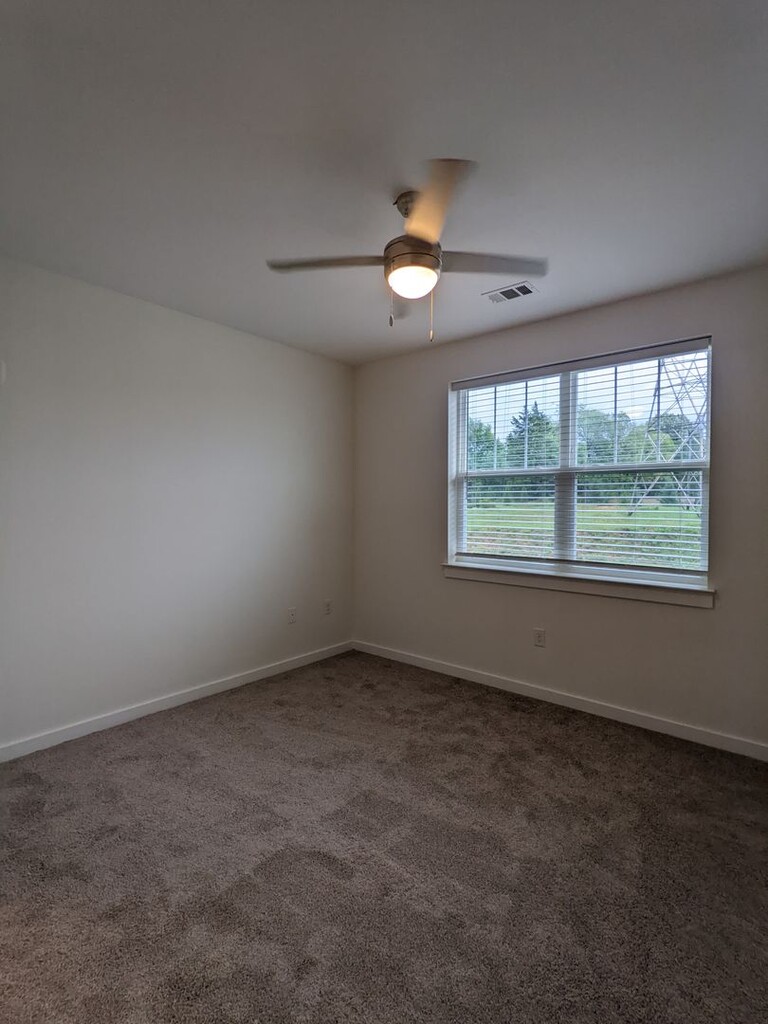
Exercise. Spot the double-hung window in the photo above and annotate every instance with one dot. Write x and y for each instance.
(595, 468)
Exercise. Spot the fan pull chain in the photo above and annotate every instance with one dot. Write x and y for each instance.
(391, 308)
(432, 315)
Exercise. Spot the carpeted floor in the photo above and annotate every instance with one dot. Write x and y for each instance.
(360, 841)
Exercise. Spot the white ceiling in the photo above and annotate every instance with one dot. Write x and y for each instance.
(167, 148)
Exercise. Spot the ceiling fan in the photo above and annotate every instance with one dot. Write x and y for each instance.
(413, 261)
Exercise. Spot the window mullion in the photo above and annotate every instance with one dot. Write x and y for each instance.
(615, 414)
(461, 482)
(457, 470)
(565, 483)
(704, 534)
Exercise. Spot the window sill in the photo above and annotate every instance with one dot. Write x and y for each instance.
(581, 581)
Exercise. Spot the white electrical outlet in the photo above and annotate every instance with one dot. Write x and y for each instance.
(291, 615)
(539, 638)
(327, 606)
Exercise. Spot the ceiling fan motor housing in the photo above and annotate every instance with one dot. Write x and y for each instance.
(407, 251)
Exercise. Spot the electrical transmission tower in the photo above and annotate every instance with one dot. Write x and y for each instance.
(681, 392)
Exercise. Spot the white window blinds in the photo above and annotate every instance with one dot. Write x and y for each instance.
(601, 462)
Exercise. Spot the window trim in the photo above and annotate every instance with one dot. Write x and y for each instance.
(624, 355)
(538, 578)
(667, 586)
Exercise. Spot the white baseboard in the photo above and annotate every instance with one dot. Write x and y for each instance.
(17, 748)
(697, 734)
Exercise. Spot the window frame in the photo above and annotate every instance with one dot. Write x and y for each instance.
(606, 579)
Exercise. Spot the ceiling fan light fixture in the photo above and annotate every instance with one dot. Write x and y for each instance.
(413, 262)
(412, 281)
(412, 266)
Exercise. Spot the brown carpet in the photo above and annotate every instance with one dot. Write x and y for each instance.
(361, 841)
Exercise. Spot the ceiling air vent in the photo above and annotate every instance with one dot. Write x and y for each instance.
(512, 291)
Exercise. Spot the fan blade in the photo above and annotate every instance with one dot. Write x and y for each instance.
(485, 263)
(333, 262)
(431, 207)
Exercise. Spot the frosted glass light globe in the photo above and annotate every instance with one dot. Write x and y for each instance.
(412, 282)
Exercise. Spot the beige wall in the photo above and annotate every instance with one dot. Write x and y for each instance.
(168, 488)
(707, 668)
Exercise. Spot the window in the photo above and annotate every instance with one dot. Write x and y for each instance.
(596, 468)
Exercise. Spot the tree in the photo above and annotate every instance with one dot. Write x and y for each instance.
(685, 435)
(597, 434)
(534, 441)
(481, 444)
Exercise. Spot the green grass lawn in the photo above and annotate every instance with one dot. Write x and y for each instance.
(653, 535)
